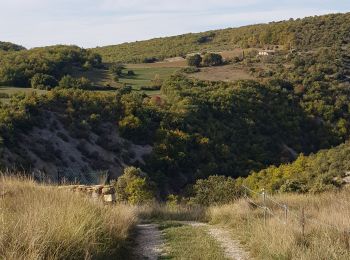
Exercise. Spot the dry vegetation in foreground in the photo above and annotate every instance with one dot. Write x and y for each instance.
(162, 212)
(277, 240)
(43, 222)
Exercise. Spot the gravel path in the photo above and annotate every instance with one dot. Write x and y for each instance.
(150, 244)
(233, 249)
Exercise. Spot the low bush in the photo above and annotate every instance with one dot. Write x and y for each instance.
(70, 82)
(215, 190)
(135, 187)
(150, 88)
(190, 70)
(194, 60)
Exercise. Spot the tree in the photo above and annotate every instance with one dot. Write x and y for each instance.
(43, 81)
(194, 61)
(117, 69)
(70, 82)
(212, 59)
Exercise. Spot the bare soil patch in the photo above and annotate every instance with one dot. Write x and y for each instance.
(228, 73)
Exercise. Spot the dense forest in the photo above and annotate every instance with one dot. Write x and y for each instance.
(302, 34)
(200, 129)
(8, 46)
(49, 64)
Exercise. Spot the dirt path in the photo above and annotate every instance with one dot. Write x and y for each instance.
(150, 244)
(233, 249)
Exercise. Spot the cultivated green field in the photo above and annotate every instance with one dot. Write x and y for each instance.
(100, 77)
(144, 76)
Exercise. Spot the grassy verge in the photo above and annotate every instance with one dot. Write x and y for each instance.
(161, 212)
(187, 242)
(277, 240)
(43, 222)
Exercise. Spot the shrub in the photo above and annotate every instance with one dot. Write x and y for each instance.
(130, 126)
(149, 60)
(70, 82)
(150, 88)
(212, 59)
(134, 187)
(215, 190)
(194, 61)
(43, 81)
(117, 69)
(190, 70)
(131, 73)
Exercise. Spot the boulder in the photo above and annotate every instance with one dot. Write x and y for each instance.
(109, 198)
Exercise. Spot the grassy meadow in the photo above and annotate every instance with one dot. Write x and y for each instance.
(44, 222)
(144, 74)
(326, 223)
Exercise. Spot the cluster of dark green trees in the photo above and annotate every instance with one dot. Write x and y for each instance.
(8, 46)
(209, 59)
(318, 172)
(43, 67)
(303, 34)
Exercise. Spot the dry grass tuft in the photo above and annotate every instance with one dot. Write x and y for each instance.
(277, 240)
(44, 222)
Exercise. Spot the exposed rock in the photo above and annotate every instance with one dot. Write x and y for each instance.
(55, 154)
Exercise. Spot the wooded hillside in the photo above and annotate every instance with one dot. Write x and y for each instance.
(303, 34)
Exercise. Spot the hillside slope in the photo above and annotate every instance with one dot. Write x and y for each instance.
(307, 33)
(67, 136)
(315, 173)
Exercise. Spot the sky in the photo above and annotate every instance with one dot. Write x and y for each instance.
(91, 23)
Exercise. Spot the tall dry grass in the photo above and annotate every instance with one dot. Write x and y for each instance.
(43, 222)
(277, 240)
(163, 212)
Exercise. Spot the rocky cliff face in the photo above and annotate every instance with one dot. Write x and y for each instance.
(52, 152)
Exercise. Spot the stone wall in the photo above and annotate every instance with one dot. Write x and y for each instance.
(105, 193)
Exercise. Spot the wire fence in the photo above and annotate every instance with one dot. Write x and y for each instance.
(288, 214)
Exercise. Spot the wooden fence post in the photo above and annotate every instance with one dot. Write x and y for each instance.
(264, 203)
(302, 221)
(285, 214)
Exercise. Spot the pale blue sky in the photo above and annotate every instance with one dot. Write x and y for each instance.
(90, 23)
